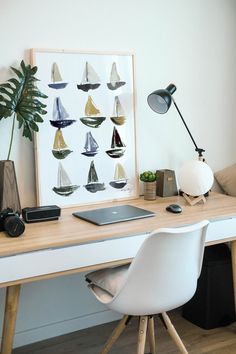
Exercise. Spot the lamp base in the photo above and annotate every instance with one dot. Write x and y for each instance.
(194, 200)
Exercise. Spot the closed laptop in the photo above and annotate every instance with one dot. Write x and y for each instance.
(105, 216)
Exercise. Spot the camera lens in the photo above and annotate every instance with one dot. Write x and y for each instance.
(14, 226)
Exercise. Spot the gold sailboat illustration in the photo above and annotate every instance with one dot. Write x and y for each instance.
(118, 116)
(92, 119)
(57, 82)
(90, 79)
(60, 149)
(93, 184)
(64, 186)
(120, 179)
(117, 146)
(115, 81)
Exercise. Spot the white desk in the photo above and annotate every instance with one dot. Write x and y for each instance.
(70, 245)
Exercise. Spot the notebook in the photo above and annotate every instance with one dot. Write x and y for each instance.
(111, 215)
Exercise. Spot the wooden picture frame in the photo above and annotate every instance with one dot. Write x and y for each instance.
(85, 150)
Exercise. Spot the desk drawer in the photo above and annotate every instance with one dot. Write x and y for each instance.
(221, 229)
(38, 263)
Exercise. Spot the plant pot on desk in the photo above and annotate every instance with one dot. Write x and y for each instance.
(9, 195)
(149, 190)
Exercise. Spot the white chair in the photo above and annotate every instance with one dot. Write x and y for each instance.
(162, 276)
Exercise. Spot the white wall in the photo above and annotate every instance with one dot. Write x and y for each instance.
(188, 42)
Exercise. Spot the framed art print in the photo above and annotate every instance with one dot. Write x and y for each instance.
(85, 148)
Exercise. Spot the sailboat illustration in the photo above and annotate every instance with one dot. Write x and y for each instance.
(64, 185)
(90, 79)
(91, 146)
(118, 112)
(60, 149)
(115, 81)
(117, 146)
(120, 179)
(57, 82)
(92, 119)
(93, 185)
(60, 115)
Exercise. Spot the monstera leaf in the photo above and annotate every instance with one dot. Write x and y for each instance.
(20, 98)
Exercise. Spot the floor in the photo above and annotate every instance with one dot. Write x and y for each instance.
(89, 341)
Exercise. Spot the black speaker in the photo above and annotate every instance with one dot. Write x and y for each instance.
(42, 213)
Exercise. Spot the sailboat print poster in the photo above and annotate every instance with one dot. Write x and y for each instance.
(85, 148)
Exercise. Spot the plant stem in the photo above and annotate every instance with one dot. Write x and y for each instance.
(12, 133)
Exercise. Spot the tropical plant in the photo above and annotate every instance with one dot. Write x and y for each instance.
(19, 98)
(148, 176)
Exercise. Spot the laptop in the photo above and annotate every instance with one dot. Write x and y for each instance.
(111, 215)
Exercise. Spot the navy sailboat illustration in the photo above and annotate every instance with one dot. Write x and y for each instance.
(64, 186)
(120, 179)
(57, 82)
(117, 146)
(91, 146)
(115, 81)
(60, 115)
(60, 149)
(118, 116)
(92, 113)
(90, 79)
(93, 184)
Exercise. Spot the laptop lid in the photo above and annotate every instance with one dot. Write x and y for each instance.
(105, 216)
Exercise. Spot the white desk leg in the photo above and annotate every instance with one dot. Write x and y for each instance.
(233, 257)
(11, 306)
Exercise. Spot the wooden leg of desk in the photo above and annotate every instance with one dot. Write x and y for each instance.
(11, 306)
(233, 256)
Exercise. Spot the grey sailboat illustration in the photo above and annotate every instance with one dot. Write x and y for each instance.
(118, 116)
(120, 179)
(57, 82)
(64, 186)
(91, 146)
(60, 149)
(92, 115)
(60, 115)
(90, 79)
(93, 184)
(117, 146)
(115, 81)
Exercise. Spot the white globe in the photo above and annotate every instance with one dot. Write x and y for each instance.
(195, 178)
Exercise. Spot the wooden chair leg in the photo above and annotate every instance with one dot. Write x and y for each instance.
(143, 321)
(11, 306)
(115, 334)
(174, 335)
(151, 334)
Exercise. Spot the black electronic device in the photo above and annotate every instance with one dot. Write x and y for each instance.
(174, 208)
(11, 223)
(42, 213)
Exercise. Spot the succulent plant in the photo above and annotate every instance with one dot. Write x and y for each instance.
(148, 176)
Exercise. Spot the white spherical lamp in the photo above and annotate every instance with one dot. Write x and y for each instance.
(195, 178)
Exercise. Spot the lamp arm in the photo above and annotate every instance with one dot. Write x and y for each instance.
(199, 150)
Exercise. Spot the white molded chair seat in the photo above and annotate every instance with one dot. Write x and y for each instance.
(162, 276)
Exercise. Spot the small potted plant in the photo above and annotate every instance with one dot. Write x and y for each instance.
(149, 179)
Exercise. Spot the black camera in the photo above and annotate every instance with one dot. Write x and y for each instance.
(11, 223)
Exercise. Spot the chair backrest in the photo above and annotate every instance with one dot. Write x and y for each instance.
(163, 275)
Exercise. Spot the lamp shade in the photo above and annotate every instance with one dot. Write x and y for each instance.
(160, 100)
(195, 178)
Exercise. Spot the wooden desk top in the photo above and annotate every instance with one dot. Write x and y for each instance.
(69, 230)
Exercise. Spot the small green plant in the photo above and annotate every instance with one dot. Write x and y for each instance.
(148, 176)
(20, 99)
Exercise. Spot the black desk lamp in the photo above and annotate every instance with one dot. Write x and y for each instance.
(160, 102)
